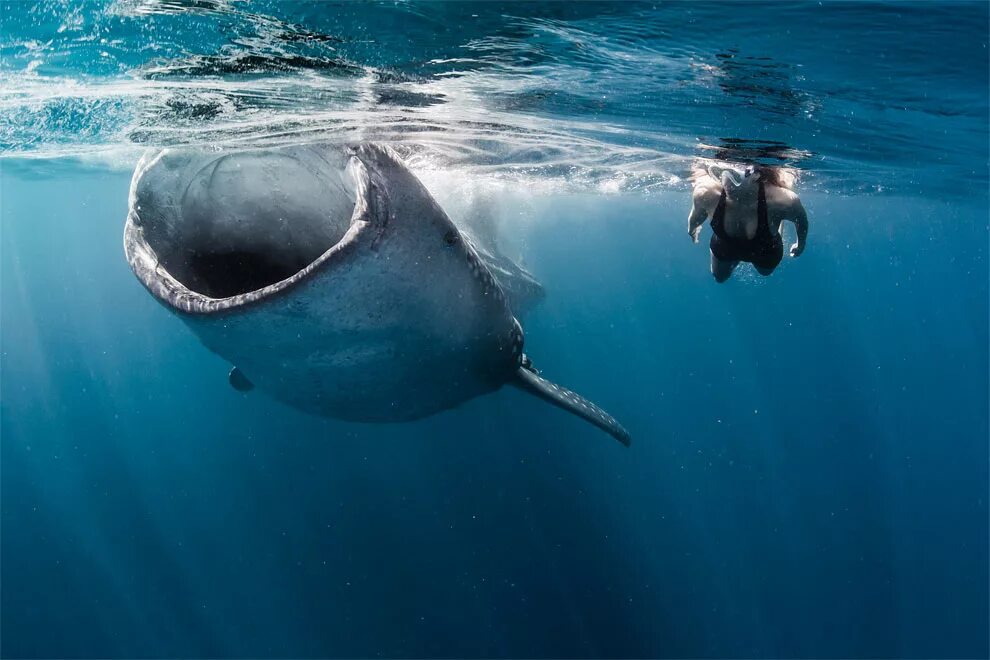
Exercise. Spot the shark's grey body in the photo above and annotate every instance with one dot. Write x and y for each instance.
(333, 281)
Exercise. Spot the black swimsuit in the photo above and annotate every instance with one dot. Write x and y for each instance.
(764, 250)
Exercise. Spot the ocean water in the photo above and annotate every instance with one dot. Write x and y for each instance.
(809, 469)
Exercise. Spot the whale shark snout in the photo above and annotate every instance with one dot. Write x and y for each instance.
(332, 280)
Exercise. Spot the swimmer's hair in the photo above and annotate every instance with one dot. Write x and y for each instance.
(783, 177)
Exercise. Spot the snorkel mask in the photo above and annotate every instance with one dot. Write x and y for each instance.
(733, 179)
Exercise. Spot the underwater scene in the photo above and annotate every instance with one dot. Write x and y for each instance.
(493, 329)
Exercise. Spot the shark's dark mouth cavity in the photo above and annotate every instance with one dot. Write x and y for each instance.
(225, 274)
(245, 220)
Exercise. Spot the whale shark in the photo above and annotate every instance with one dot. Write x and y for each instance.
(331, 280)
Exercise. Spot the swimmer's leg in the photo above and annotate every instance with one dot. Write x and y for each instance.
(764, 271)
(722, 270)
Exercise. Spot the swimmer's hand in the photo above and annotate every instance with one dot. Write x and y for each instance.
(704, 202)
(797, 249)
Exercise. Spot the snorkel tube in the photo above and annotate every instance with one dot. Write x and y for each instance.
(731, 178)
(726, 175)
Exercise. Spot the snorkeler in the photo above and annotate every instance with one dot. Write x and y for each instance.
(747, 209)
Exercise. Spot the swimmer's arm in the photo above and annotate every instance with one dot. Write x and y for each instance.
(799, 217)
(702, 204)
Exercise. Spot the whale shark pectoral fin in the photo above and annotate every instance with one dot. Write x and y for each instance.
(239, 381)
(529, 381)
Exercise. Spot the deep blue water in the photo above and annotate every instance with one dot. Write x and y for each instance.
(809, 468)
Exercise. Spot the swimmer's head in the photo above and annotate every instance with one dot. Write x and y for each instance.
(738, 181)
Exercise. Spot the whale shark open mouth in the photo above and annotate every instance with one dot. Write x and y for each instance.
(223, 227)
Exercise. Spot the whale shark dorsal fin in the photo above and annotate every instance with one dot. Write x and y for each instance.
(528, 380)
(239, 381)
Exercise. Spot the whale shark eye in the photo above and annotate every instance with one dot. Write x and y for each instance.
(451, 237)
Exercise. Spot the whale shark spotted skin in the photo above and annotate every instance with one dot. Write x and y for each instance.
(332, 281)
